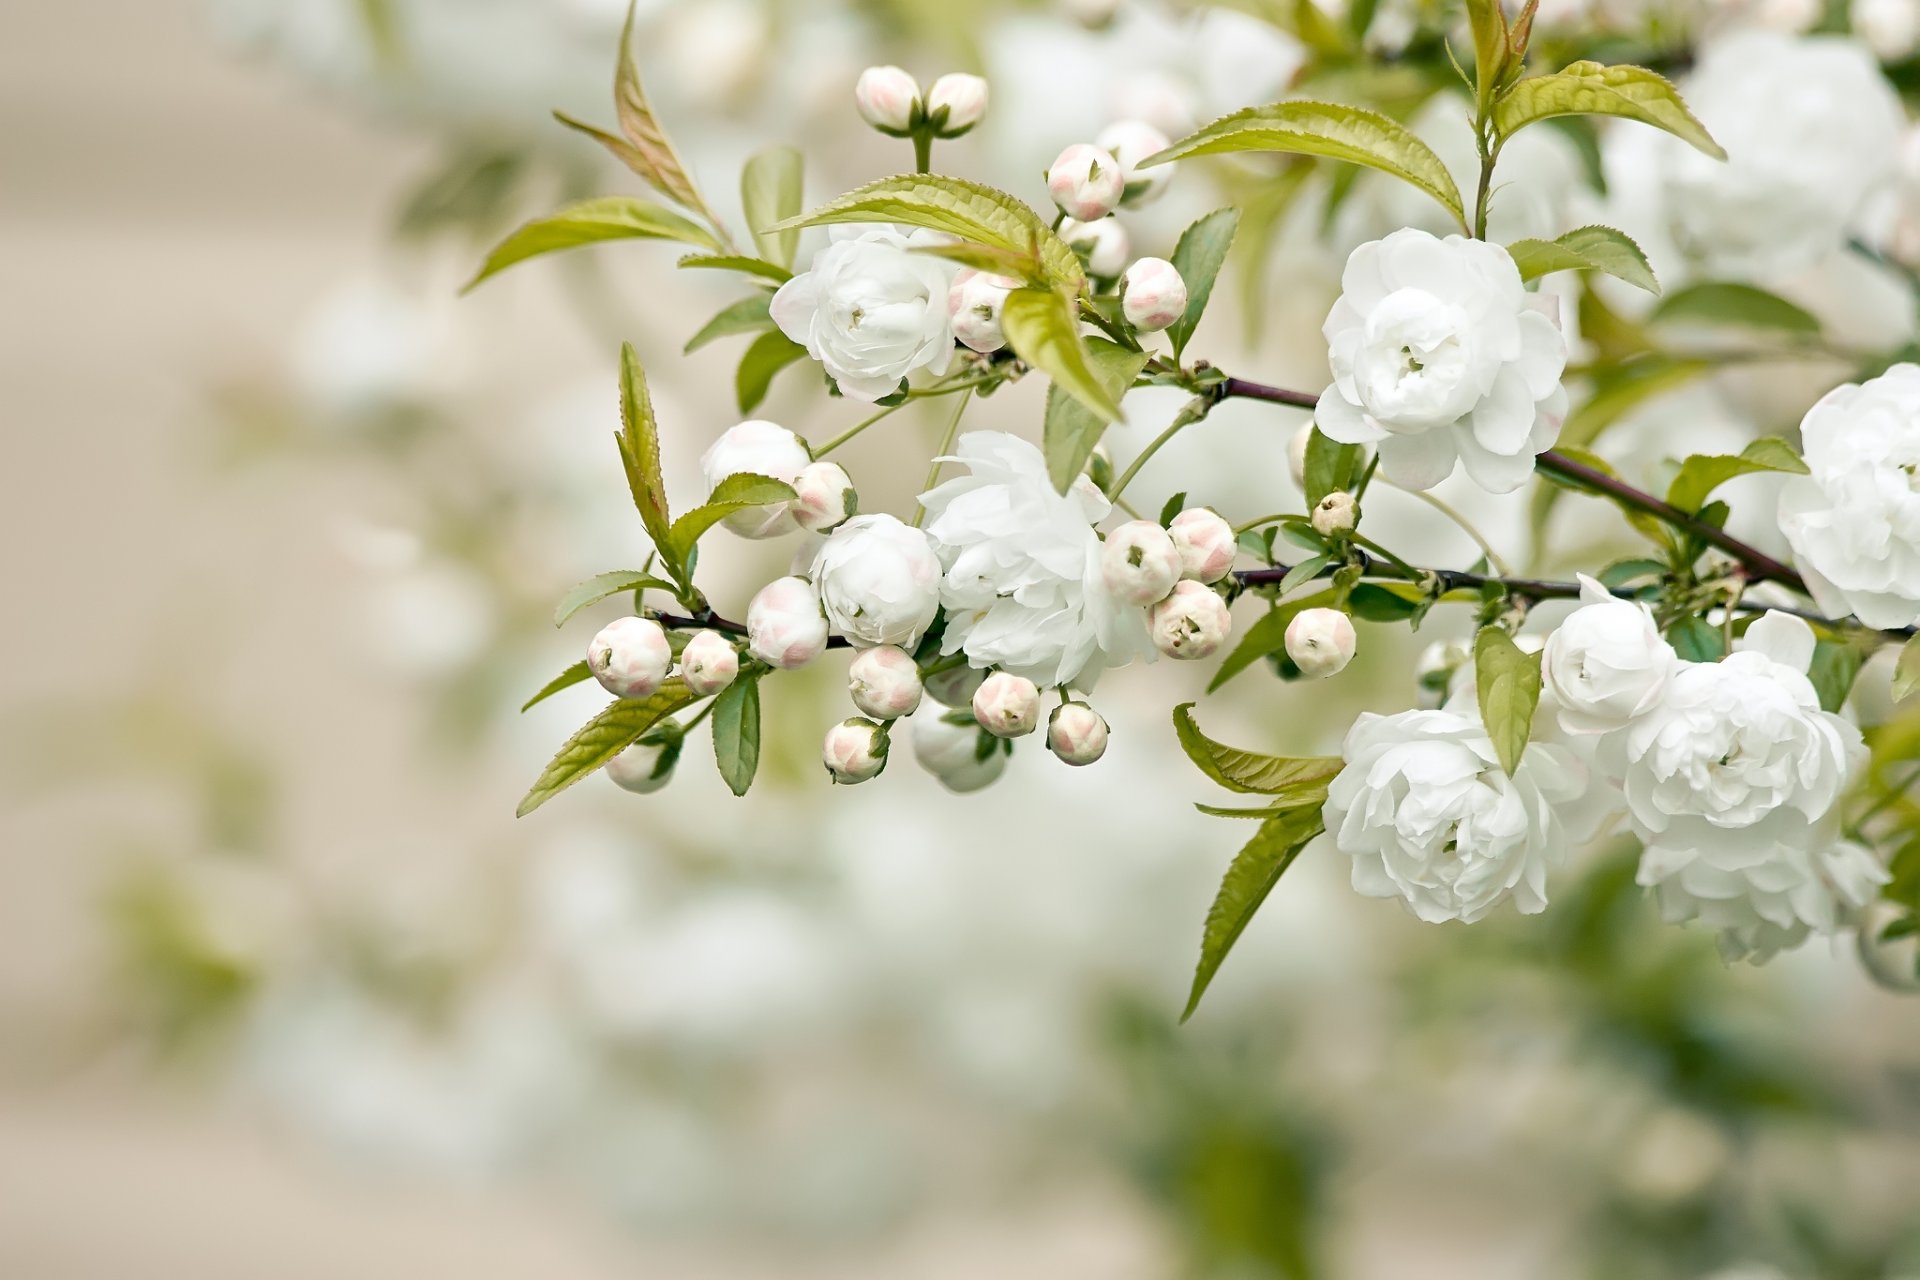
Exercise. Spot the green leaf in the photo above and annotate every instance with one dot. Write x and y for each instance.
(653, 156)
(591, 222)
(602, 585)
(1268, 635)
(749, 315)
(1337, 132)
(740, 492)
(735, 262)
(1621, 572)
(1043, 330)
(1835, 666)
(769, 354)
(1586, 249)
(999, 262)
(1702, 473)
(1696, 640)
(1906, 672)
(736, 733)
(1331, 466)
(1591, 89)
(639, 441)
(1372, 602)
(601, 739)
(960, 208)
(1507, 681)
(572, 676)
(1250, 771)
(1488, 21)
(770, 192)
(1072, 430)
(1304, 572)
(1198, 258)
(1249, 879)
(1719, 302)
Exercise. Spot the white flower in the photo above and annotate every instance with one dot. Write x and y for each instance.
(629, 657)
(879, 581)
(854, 750)
(1891, 28)
(1085, 182)
(709, 663)
(886, 98)
(785, 627)
(884, 682)
(1022, 588)
(1320, 641)
(1006, 705)
(1076, 733)
(974, 303)
(823, 496)
(644, 767)
(962, 756)
(1103, 242)
(1607, 663)
(1152, 294)
(1854, 522)
(1191, 623)
(1205, 542)
(761, 448)
(1732, 781)
(1139, 563)
(1129, 142)
(870, 311)
(962, 97)
(1440, 355)
(1428, 816)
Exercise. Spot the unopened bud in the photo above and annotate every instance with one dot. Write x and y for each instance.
(823, 497)
(1320, 641)
(955, 104)
(1336, 513)
(761, 448)
(1205, 542)
(1085, 182)
(1103, 242)
(1129, 142)
(1789, 16)
(1891, 28)
(1191, 623)
(646, 766)
(854, 751)
(887, 98)
(709, 663)
(1076, 733)
(1006, 705)
(1152, 294)
(962, 756)
(629, 657)
(1100, 468)
(974, 303)
(1434, 669)
(1138, 562)
(785, 625)
(884, 682)
(1297, 454)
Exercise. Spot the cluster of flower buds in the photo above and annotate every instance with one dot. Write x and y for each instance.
(890, 100)
(1089, 181)
(1170, 572)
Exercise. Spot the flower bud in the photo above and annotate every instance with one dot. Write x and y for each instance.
(1891, 28)
(1434, 669)
(1205, 542)
(1103, 242)
(1337, 513)
(854, 751)
(1789, 16)
(1100, 468)
(963, 100)
(955, 687)
(1138, 562)
(1191, 623)
(974, 303)
(646, 766)
(1076, 733)
(709, 663)
(962, 756)
(1297, 454)
(1320, 641)
(884, 682)
(1152, 294)
(1006, 705)
(786, 627)
(887, 98)
(1129, 142)
(761, 448)
(823, 496)
(1086, 182)
(1607, 663)
(629, 657)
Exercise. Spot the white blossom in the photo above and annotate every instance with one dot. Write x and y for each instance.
(823, 497)
(761, 448)
(1139, 563)
(629, 657)
(1152, 294)
(884, 682)
(1129, 142)
(1076, 733)
(1440, 356)
(879, 581)
(1891, 28)
(785, 625)
(869, 310)
(644, 767)
(1607, 663)
(1103, 242)
(1006, 705)
(709, 663)
(961, 756)
(1191, 623)
(974, 303)
(1854, 521)
(1205, 542)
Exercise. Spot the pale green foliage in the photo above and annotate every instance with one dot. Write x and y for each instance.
(602, 585)
(1198, 257)
(771, 192)
(1043, 330)
(1591, 89)
(592, 222)
(601, 739)
(1725, 304)
(1507, 683)
(1701, 474)
(1071, 429)
(1586, 249)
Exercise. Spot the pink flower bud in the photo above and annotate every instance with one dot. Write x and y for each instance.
(1103, 242)
(785, 625)
(1138, 562)
(709, 663)
(974, 302)
(1320, 641)
(962, 97)
(1076, 733)
(1152, 294)
(1129, 142)
(823, 496)
(629, 657)
(1006, 705)
(854, 751)
(1086, 182)
(884, 682)
(1205, 542)
(887, 98)
(1191, 623)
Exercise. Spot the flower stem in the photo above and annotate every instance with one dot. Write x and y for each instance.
(922, 151)
(1447, 509)
(854, 430)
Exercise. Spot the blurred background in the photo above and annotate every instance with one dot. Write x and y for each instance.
(285, 990)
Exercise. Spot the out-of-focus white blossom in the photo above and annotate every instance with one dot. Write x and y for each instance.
(1129, 142)
(644, 767)
(1607, 663)
(1152, 294)
(629, 657)
(761, 448)
(1103, 242)
(1191, 623)
(953, 753)
(884, 682)
(879, 580)
(785, 625)
(870, 310)
(1006, 705)
(1086, 182)
(886, 98)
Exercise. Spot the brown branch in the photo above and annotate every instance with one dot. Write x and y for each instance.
(712, 621)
